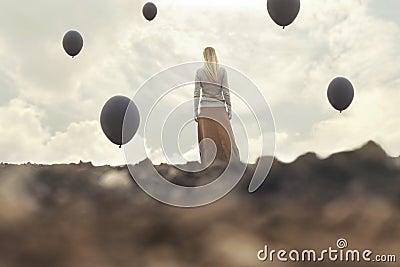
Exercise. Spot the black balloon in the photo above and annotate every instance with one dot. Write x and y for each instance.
(149, 11)
(283, 12)
(340, 93)
(72, 43)
(120, 119)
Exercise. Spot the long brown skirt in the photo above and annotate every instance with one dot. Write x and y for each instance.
(213, 123)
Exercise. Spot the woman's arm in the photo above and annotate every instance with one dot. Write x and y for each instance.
(225, 91)
(197, 87)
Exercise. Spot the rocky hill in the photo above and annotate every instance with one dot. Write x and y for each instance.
(82, 215)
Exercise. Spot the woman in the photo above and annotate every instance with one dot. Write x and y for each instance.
(215, 111)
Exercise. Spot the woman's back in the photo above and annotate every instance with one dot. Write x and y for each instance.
(210, 88)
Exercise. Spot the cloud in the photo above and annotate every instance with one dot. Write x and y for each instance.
(345, 40)
(59, 98)
(22, 132)
(24, 139)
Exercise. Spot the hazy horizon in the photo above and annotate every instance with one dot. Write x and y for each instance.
(275, 158)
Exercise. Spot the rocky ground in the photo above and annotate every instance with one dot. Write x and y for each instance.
(82, 215)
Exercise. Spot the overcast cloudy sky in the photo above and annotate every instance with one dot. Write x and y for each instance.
(50, 103)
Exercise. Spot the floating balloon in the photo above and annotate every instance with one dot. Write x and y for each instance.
(115, 111)
(149, 11)
(283, 12)
(72, 43)
(340, 93)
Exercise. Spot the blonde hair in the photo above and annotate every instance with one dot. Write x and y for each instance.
(211, 63)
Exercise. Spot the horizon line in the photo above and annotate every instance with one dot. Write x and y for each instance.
(368, 143)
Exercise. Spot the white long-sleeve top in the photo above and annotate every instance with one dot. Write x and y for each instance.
(213, 94)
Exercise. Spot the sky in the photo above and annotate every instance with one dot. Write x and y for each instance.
(50, 104)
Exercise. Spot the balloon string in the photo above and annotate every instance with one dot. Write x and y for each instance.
(119, 146)
(283, 27)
